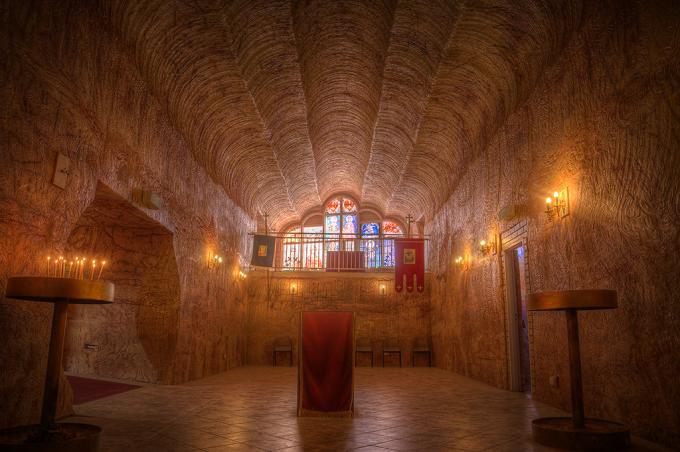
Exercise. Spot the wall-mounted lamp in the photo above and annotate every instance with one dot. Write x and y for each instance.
(214, 260)
(293, 289)
(463, 262)
(557, 205)
(383, 289)
(487, 246)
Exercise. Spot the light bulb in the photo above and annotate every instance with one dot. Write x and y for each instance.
(483, 242)
(556, 195)
(548, 200)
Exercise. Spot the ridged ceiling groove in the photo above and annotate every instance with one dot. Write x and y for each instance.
(497, 53)
(342, 48)
(187, 62)
(285, 103)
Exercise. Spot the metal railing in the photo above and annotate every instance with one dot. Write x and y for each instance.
(335, 252)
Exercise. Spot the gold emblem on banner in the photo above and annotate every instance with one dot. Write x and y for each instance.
(409, 256)
(262, 250)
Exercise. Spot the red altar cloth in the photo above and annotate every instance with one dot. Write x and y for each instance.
(326, 364)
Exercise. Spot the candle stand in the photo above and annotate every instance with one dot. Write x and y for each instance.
(577, 432)
(49, 435)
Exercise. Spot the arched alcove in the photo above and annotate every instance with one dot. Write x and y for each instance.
(134, 338)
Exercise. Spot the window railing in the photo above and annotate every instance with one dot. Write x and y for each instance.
(297, 251)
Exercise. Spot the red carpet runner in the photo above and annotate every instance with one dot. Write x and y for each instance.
(88, 389)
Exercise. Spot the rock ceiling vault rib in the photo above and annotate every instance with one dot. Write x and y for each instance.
(285, 103)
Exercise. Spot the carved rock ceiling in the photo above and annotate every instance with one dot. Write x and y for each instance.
(285, 103)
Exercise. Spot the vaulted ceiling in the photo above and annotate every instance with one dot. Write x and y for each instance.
(285, 103)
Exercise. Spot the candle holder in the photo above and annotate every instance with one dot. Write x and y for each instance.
(577, 432)
(48, 435)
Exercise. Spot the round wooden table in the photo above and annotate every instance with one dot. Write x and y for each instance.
(577, 432)
(61, 292)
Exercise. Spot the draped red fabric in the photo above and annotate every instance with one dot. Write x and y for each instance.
(327, 362)
(409, 261)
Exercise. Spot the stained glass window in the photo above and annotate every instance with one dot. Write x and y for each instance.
(390, 227)
(370, 229)
(292, 251)
(332, 224)
(349, 224)
(333, 206)
(312, 248)
(348, 205)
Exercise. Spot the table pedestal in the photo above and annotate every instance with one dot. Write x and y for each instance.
(50, 436)
(577, 432)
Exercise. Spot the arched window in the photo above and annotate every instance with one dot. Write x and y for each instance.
(340, 227)
(340, 224)
(390, 231)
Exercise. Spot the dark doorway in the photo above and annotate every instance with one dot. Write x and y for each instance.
(516, 292)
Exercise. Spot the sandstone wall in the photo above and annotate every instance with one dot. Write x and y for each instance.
(68, 86)
(604, 122)
(403, 316)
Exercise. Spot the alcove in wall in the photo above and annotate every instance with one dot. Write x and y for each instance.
(134, 339)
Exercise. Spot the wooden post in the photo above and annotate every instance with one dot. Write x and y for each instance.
(54, 359)
(578, 418)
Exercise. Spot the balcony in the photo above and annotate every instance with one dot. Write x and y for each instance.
(299, 251)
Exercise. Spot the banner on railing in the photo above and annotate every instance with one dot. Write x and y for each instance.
(409, 261)
(263, 251)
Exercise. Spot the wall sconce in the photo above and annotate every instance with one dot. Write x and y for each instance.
(383, 289)
(214, 260)
(487, 247)
(293, 289)
(557, 205)
(463, 262)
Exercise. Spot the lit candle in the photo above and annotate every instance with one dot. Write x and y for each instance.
(61, 266)
(48, 265)
(556, 195)
(483, 242)
(94, 264)
(101, 269)
(548, 201)
(70, 266)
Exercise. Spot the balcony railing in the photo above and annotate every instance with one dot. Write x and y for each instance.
(334, 252)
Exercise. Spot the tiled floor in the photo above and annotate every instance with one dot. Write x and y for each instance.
(253, 409)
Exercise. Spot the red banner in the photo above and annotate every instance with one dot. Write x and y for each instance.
(326, 373)
(409, 261)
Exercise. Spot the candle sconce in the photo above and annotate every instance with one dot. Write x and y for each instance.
(382, 289)
(293, 289)
(214, 260)
(488, 247)
(463, 262)
(557, 205)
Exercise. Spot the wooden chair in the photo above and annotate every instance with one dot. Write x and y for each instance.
(283, 345)
(391, 345)
(421, 345)
(364, 346)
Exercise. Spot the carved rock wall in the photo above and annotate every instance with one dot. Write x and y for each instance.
(604, 123)
(404, 316)
(68, 86)
(135, 338)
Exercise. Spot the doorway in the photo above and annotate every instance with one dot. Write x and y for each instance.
(518, 323)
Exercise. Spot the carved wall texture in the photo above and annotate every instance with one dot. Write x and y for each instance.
(69, 87)
(404, 316)
(135, 338)
(604, 122)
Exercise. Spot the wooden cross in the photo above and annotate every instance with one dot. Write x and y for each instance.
(409, 220)
(266, 228)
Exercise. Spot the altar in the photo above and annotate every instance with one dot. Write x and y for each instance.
(326, 364)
